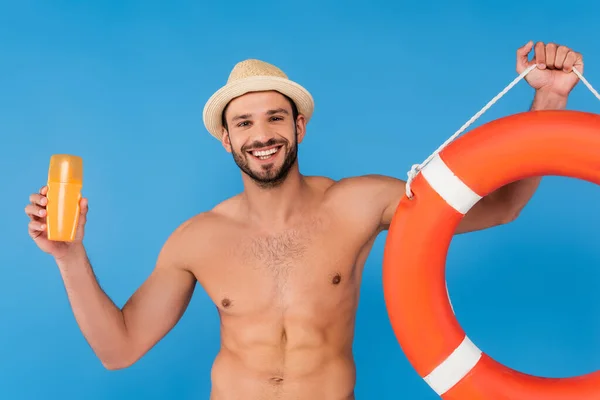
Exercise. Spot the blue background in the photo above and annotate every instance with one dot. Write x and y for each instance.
(123, 83)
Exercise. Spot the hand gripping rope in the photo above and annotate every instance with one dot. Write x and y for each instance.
(416, 168)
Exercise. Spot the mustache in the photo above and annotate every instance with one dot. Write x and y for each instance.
(257, 145)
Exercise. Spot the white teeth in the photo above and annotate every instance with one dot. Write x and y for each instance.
(264, 153)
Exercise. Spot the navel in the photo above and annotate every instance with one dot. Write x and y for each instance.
(276, 380)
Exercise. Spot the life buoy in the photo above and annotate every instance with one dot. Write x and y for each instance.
(537, 143)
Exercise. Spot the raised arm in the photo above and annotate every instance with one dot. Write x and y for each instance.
(119, 337)
(553, 81)
(380, 195)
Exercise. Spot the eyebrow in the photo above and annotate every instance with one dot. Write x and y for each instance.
(243, 116)
(277, 111)
(270, 112)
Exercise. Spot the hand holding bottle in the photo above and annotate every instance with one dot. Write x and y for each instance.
(58, 212)
(37, 212)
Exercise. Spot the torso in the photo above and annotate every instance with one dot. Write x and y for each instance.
(287, 300)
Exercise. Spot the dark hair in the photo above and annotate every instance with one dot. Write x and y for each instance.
(292, 104)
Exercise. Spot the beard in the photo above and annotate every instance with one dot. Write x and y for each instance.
(268, 176)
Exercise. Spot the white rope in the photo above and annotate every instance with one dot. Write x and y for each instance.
(416, 168)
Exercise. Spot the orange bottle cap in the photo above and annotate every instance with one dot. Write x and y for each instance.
(65, 168)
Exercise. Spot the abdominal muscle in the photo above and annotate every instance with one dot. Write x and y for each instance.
(299, 362)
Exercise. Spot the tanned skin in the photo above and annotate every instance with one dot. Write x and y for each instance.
(282, 261)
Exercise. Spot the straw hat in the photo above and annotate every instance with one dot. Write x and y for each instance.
(254, 76)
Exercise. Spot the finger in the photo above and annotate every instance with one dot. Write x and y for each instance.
(83, 204)
(569, 62)
(33, 210)
(561, 55)
(540, 55)
(36, 227)
(38, 199)
(550, 55)
(572, 59)
(523, 56)
(578, 62)
(44, 190)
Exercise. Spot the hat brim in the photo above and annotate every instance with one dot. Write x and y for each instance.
(213, 110)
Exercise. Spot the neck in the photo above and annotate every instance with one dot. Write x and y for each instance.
(275, 206)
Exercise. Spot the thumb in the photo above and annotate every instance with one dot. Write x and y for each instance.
(523, 56)
(83, 210)
(83, 205)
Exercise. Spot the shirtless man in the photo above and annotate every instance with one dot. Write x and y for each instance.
(283, 260)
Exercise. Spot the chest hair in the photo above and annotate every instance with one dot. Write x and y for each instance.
(277, 254)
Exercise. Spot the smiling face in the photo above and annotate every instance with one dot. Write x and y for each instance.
(262, 132)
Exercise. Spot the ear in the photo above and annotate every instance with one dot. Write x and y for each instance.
(225, 140)
(301, 127)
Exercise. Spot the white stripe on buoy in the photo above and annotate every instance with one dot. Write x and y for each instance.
(454, 368)
(453, 190)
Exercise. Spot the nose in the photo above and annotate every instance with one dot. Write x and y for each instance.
(262, 134)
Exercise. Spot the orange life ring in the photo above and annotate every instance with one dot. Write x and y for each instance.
(538, 143)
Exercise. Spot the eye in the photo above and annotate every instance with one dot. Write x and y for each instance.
(276, 118)
(243, 123)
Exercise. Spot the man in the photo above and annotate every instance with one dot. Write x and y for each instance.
(282, 260)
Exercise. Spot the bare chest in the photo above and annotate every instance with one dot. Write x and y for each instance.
(309, 267)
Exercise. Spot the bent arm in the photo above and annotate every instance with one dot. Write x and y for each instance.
(499, 207)
(382, 194)
(506, 203)
(119, 337)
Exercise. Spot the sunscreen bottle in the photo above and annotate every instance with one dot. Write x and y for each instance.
(65, 180)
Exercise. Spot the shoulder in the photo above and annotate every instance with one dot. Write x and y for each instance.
(370, 196)
(196, 236)
(212, 223)
(372, 183)
(368, 185)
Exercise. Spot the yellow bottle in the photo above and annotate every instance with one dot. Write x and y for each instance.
(65, 180)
